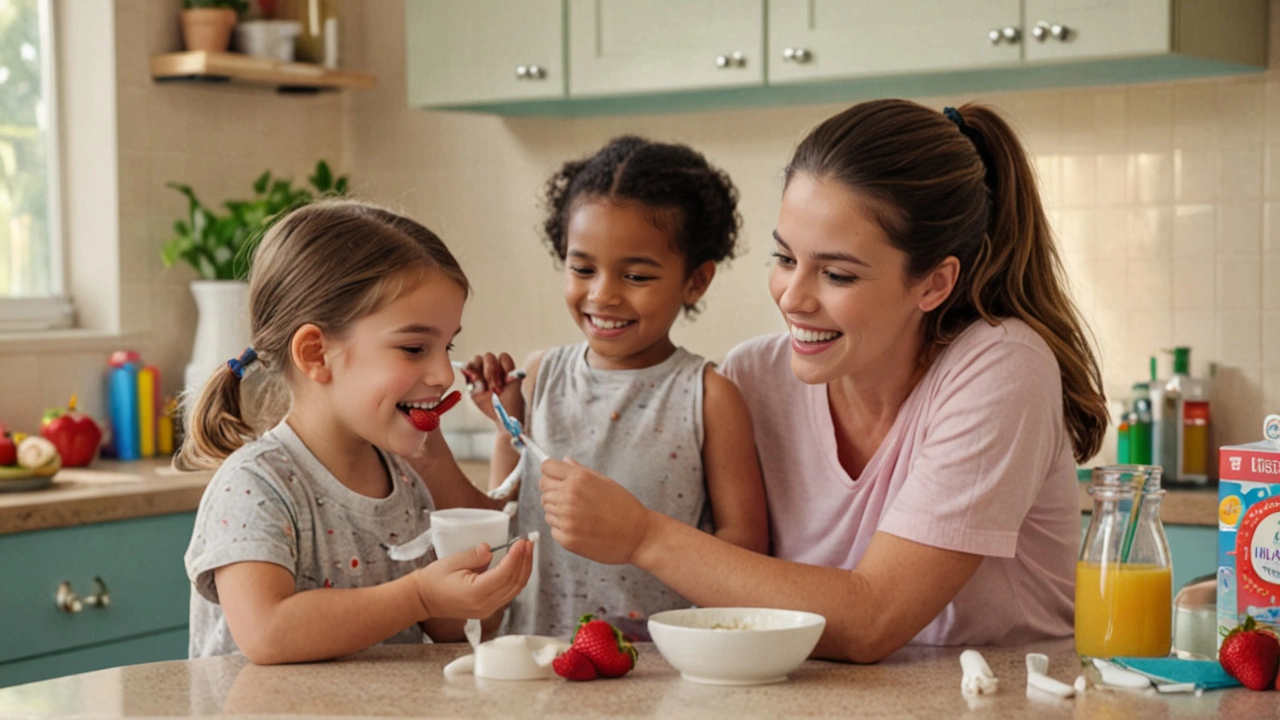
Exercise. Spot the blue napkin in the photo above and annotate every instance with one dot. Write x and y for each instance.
(1206, 674)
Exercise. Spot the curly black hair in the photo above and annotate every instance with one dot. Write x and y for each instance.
(674, 181)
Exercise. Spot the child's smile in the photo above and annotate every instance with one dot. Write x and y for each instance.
(625, 283)
(394, 363)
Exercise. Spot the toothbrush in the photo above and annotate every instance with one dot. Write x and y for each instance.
(514, 427)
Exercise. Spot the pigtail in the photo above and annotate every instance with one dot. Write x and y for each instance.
(1018, 273)
(215, 424)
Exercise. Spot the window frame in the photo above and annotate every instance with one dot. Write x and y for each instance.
(56, 310)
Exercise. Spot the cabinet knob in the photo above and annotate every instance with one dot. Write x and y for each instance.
(530, 72)
(797, 54)
(1008, 34)
(1045, 30)
(733, 59)
(68, 601)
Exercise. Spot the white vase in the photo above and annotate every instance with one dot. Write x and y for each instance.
(222, 331)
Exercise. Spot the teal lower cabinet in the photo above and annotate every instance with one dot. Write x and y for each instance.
(1193, 548)
(83, 598)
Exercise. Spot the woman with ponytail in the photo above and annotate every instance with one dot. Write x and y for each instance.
(920, 424)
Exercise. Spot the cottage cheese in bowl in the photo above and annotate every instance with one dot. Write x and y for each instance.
(735, 646)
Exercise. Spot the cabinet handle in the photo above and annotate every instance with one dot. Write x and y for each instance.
(68, 601)
(733, 59)
(530, 72)
(1008, 34)
(1045, 30)
(797, 54)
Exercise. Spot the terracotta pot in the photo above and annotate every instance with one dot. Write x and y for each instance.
(208, 28)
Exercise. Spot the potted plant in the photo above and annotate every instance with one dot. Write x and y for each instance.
(207, 24)
(219, 247)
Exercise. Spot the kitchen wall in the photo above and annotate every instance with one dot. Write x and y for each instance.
(216, 139)
(1165, 198)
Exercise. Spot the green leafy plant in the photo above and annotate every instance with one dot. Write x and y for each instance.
(219, 246)
(240, 6)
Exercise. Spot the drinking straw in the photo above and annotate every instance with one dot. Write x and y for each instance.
(1135, 509)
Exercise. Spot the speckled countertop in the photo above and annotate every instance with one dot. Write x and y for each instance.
(1179, 507)
(115, 490)
(108, 490)
(406, 681)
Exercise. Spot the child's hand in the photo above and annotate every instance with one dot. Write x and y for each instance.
(493, 373)
(459, 586)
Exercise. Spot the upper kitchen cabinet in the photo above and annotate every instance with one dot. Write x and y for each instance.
(812, 40)
(463, 52)
(964, 45)
(1076, 29)
(598, 57)
(626, 47)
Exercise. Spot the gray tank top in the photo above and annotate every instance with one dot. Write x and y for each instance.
(643, 428)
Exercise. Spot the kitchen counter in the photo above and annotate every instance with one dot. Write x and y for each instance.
(406, 680)
(116, 490)
(107, 490)
(1180, 506)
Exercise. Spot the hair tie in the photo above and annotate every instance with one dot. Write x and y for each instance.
(246, 358)
(978, 144)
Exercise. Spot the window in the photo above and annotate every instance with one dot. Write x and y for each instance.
(32, 294)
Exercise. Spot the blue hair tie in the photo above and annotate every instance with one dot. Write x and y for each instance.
(979, 144)
(246, 358)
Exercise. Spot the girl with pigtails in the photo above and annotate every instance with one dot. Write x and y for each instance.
(353, 310)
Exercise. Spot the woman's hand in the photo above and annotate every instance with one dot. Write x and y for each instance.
(459, 586)
(591, 515)
(489, 373)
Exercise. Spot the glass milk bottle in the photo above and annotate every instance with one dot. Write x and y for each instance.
(1124, 593)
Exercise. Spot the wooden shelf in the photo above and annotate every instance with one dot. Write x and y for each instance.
(201, 66)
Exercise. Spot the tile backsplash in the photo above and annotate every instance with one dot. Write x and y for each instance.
(1165, 199)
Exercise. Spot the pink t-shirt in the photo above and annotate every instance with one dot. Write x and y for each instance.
(978, 461)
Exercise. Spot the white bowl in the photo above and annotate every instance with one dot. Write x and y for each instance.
(735, 646)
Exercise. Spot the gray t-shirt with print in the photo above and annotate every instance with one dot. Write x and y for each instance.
(274, 501)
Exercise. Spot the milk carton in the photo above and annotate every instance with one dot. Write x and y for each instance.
(1249, 530)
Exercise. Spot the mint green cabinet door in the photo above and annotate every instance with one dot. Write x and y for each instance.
(460, 52)
(1095, 29)
(623, 47)
(140, 562)
(155, 647)
(812, 40)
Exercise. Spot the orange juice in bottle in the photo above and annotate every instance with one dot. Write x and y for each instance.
(1125, 610)
(1124, 593)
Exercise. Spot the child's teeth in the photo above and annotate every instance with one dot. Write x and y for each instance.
(608, 324)
(424, 406)
(812, 335)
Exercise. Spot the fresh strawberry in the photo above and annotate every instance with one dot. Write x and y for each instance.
(429, 420)
(603, 644)
(573, 665)
(8, 448)
(1251, 655)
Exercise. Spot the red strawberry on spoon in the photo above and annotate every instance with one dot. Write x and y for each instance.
(429, 420)
(1251, 655)
(604, 645)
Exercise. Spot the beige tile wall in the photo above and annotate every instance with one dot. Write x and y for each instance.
(1166, 200)
(216, 139)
